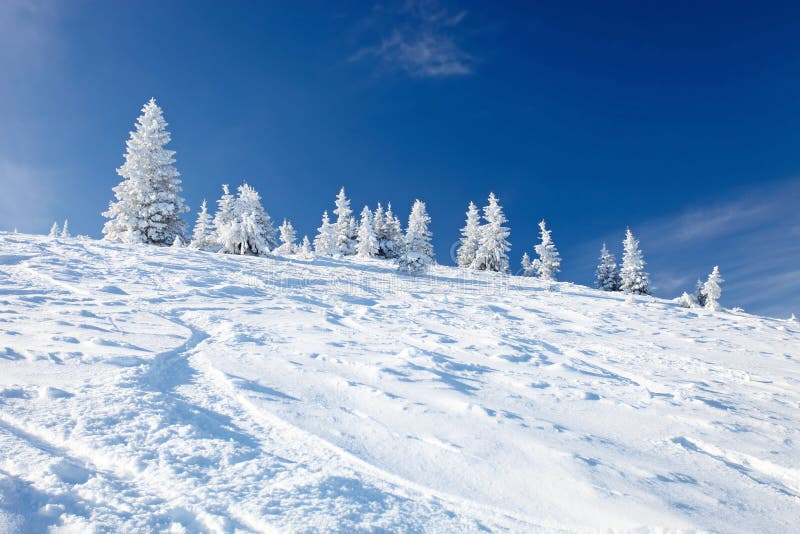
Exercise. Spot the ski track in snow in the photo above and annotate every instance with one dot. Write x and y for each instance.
(146, 390)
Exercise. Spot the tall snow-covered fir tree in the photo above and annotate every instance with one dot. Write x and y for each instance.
(367, 245)
(203, 236)
(390, 245)
(345, 225)
(607, 273)
(470, 237)
(288, 237)
(549, 260)
(633, 277)
(148, 204)
(53, 230)
(712, 290)
(417, 253)
(65, 228)
(492, 253)
(325, 240)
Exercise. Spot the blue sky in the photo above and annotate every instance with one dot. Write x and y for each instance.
(679, 119)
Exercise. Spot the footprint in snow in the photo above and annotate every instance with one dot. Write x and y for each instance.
(70, 473)
(49, 392)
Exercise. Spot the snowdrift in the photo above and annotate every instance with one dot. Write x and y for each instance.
(145, 389)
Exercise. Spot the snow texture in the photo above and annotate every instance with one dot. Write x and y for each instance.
(151, 389)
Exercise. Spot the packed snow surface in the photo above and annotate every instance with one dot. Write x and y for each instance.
(147, 389)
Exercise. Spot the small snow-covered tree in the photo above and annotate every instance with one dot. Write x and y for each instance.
(243, 226)
(549, 260)
(378, 226)
(178, 242)
(288, 237)
(65, 228)
(417, 253)
(527, 266)
(260, 234)
(607, 273)
(390, 245)
(148, 204)
(713, 290)
(700, 293)
(685, 301)
(225, 206)
(203, 237)
(634, 279)
(470, 237)
(345, 225)
(492, 253)
(325, 241)
(305, 251)
(367, 246)
(53, 230)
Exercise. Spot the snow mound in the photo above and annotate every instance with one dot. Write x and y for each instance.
(147, 389)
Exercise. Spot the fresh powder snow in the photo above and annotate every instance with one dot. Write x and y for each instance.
(151, 389)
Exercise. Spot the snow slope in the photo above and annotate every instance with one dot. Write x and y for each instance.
(145, 389)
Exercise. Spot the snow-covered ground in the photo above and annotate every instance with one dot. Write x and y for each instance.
(145, 389)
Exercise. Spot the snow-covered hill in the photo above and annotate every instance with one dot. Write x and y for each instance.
(148, 389)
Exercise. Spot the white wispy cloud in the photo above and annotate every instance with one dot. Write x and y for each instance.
(421, 39)
(25, 30)
(754, 237)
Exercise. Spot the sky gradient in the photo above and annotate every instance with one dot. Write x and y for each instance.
(682, 122)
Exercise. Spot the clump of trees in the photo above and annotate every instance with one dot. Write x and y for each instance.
(148, 208)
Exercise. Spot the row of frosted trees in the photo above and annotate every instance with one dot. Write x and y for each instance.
(148, 208)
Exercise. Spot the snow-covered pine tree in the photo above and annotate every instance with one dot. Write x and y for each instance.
(257, 230)
(700, 293)
(634, 279)
(527, 266)
(345, 225)
(53, 230)
(203, 237)
(549, 260)
(242, 225)
(65, 228)
(492, 253)
(378, 226)
(607, 273)
(305, 251)
(288, 238)
(178, 242)
(148, 204)
(225, 206)
(712, 290)
(417, 253)
(686, 301)
(325, 241)
(391, 246)
(470, 237)
(367, 246)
